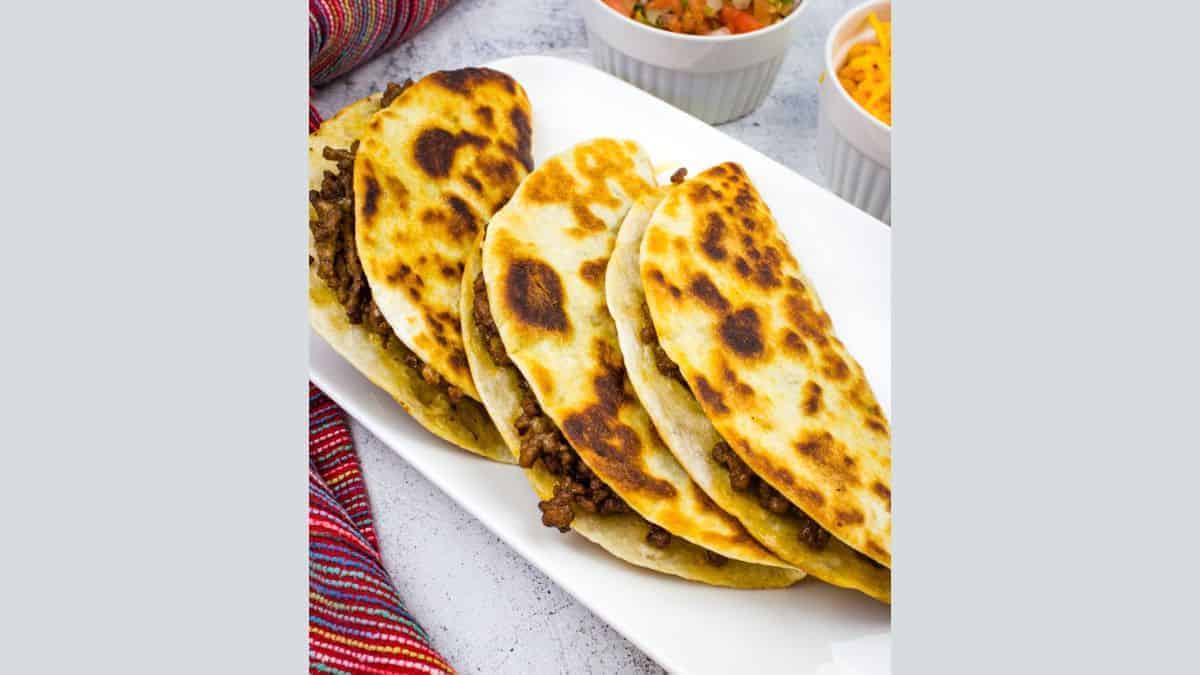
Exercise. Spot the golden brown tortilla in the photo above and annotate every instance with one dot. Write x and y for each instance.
(623, 534)
(465, 423)
(736, 313)
(690, 436)
(544, 257)
(430, 171)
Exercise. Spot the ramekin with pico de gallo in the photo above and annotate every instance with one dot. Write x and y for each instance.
(716, 59)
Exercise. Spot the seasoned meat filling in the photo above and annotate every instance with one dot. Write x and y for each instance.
(715, 559)
(337, 264)
(541, 439)
(393, 92)
(658, 537)
(742, 479)
(678, 176)
(487, 327)
(649, 336)
(577, 487)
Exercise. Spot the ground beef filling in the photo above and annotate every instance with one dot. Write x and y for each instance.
(649, 336)
(742, 479)
(335, 257)
(541, 440)
(393, 92)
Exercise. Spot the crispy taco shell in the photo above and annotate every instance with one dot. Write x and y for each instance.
(464, 423)
(623, 535)
(431, 170)
(691, 437)
(733, 309)
(544, 257)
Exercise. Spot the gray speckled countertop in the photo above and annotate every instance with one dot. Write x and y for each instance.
(485, 608)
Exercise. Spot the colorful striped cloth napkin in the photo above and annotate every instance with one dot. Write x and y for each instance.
(343, 34)
(356, 621)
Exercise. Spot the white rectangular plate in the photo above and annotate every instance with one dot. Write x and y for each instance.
(684, 626)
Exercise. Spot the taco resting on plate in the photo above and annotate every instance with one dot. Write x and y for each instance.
(666, 395)
(401, 185)
(795, 419)
(544, 354)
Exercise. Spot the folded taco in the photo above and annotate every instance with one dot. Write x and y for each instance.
(666, 395)
(796, 422)
(544, 354)
(401, 184)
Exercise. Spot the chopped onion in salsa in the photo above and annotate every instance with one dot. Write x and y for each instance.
(705, 17)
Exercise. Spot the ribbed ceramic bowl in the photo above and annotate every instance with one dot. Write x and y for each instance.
(854, 149)
(715, 78)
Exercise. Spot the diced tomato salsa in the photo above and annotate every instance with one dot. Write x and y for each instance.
(705, 17)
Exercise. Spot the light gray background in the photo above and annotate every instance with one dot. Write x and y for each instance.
(485, 608)
(154, 366)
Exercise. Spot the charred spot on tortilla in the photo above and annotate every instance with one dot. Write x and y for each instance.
(766, 272)
(743, 199)
(371, 196)
(400, 274)
(551, 184)
(435, 148)
(592, 271)
(471, 180)
(464, 222)
(486, 115)
(802, 315)
(703, 193)
(524, 150)
(535, 293)
(743, 267)
(397, 192)
(742, 332)
(710, 396)
(617, 445)
(875, 424)
(679, 176)
(849, 516)
(706, 291)
(498, 172)
(811, 400)
(835, 367)
(883, 491)
(464, 80)
(830, 455)
(714, 230)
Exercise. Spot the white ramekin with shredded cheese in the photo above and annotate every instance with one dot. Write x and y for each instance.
(717, 78)
(854, 149)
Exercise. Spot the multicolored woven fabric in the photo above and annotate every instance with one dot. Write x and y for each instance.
(356, 621)
(343, 34)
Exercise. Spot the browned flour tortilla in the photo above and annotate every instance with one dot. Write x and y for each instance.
(681, 423)
(430, 171)
(622, 534)
(544, 257)
(342, 311)
(734, 311)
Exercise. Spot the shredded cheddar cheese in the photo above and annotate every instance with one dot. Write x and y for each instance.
(867, 72)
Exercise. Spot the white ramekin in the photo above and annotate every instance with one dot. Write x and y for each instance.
(854, 149)
(715, 78)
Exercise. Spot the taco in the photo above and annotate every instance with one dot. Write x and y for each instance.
(735, 313)
(781, 527)
(342, 307)
(545, 357)
(430, 171)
